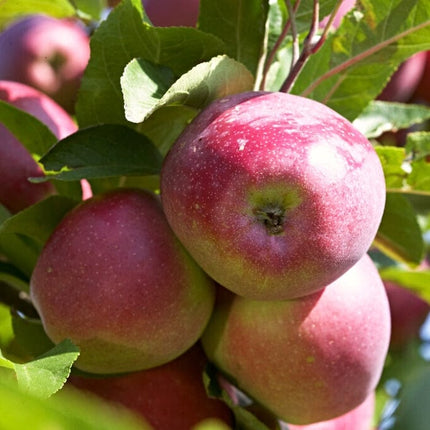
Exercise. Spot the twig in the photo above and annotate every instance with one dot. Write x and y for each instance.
(276, 46)
(307, 50)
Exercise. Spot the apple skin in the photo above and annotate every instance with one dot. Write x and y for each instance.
(359, 418)
(171, 396)
(16, 163)
(274, 195)
(344, 8)
(167, 13)
(46, 53)
(422, 91)
(405, 79)
(309, 359)
(408, 313)
(115, 280)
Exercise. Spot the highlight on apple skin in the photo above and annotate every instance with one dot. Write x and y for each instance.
(254, 189)
(46, 53)
(310, 359)
(16, 163)
(169, 397)
(115, 280)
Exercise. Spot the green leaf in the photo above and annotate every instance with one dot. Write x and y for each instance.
(119, 39)
(399, 234)
(143, 84)
(392, 160)
(240, 24)
(197, 88)
(6, 363)
(379, 117)
(67, 410)
(46, 374)
(35, 136)
(101, 152)
(154, 127)
(416, 280)
(90, 9)
(13, 9)
(38, 221)
(355, 63)
(418, 145)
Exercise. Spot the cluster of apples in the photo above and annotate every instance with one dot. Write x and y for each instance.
(256, 253)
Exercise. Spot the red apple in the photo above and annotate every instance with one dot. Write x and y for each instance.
(16, 163)
(171, 396)
(46, 53)
(359, 418)
(166, 13)
(310, 359)
(422, 91)
(408, 313)
(344, 8)
(115, 280)
(274, 195)
(405, 79)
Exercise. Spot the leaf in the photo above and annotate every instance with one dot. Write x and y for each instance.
(35, 136)
(46, 374)
(154, 127)
(101, 152)
(399, 234)
(379, 117)
(197, 88)
(416, 280)
(90, 9)
(119, 39)
(392, 160)
(240, 24)
(38, 221)
(67, 410)
(355, 63)
(4, 362)
(143, 84)
(13, 9)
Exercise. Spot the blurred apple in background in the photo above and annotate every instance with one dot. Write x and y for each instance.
(422, 92)
(408, 313)
(405, 79)
(169, 397)
(46, 53)
(16, 163)
(166, 13)
(344, 8)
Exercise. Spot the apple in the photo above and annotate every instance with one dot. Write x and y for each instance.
(422, 91)
(166, 13)
(360, 418)
(46, 53)
(344, 8)
(171, 396)
(115, 280)
(310, 359)
(16, 163)
(405, 79)
(408, 313)
(274, 195)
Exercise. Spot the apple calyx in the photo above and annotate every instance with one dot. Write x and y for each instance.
(57, 61)
(272, 217)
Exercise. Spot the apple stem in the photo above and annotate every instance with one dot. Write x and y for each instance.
(19, 301)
